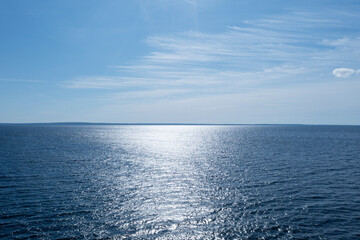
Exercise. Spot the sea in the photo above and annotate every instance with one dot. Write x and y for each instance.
(179, 181)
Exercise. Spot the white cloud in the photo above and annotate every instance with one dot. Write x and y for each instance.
(343, 72)
(256, 55)
(235, 57)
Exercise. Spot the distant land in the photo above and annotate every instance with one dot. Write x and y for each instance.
(178, 124)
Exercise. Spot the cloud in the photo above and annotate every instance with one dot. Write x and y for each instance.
(343, 72)
(260, 54)
(270, 70)
(232, 58)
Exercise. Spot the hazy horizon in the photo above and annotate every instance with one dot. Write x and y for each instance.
(174, 124)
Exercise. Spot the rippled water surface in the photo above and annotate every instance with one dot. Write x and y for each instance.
(179, 182)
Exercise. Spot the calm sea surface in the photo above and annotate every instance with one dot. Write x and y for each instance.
(179, 182)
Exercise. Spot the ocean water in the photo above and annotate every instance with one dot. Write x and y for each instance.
(179, 182)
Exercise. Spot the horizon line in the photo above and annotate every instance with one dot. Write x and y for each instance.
(175, 124)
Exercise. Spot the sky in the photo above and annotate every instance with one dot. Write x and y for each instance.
(180, 61)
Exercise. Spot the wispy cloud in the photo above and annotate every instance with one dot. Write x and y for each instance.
(257, 55)
(298, 20)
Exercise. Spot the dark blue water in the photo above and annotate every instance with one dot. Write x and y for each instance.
(179, 182)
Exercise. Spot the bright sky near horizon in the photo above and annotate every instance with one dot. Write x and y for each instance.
(180, 61)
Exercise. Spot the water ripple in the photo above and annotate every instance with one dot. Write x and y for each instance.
(179, 182)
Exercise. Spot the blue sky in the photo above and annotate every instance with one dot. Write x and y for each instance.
(180, 61)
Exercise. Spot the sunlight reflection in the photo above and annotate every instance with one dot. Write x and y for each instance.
(161, 179)
(171, 180)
